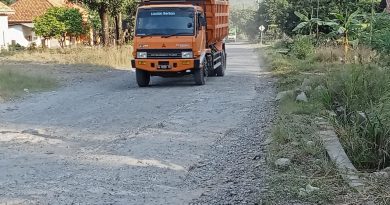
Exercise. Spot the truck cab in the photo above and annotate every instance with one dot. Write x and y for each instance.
(173, 39)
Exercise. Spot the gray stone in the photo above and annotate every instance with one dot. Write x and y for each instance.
(295, 143)
(361, 117)
(369, 203)
(283, 163)
(306, 88)
(302, 192)
(268, 141)
(320, 88)
(318, 161)
(382, 175)
(284, 94)
(302, 97)
(340, 110)
(306, 82)
(311, 189)
(386, 170)
(331, 113)
(310, 143)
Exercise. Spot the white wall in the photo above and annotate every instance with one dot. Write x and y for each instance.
(4, 37)
(18, 32)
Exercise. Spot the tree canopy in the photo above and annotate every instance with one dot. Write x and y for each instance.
(59, 22)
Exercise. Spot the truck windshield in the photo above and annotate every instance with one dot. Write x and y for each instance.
(165, 21)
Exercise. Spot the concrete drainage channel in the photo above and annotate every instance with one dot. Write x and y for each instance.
(337, 154)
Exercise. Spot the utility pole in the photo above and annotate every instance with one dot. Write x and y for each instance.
(261, 28)
(372, 20)
(318, 16)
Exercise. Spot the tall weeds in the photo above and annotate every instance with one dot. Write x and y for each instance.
(361, 97)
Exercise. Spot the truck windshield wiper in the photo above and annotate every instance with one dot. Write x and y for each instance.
(150, 34)
(175, 34)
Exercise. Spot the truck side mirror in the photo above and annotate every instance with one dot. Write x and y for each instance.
(203, 21)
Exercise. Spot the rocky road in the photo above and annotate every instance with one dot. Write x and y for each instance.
(106, 141)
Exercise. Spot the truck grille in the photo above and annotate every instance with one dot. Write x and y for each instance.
(164, 53)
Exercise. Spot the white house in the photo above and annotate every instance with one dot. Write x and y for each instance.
(21, 22)
(21, 26)
(4, 34)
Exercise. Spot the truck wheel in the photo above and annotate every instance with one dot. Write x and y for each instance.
(211, 72)
(220, 71)
(200, 75)
(210, 67)
(143, 78)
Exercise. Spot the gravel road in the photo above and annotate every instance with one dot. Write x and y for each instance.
(106, 141)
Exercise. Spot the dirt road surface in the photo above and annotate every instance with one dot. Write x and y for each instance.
(106, 141)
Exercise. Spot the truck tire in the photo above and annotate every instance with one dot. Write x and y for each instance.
(143, 78)
(220, 71)
(200, 75)
(211, 72)
(210, 67)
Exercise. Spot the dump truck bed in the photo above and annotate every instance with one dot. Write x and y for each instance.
(217, 14)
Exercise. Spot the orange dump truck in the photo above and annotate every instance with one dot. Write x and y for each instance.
(180, 37)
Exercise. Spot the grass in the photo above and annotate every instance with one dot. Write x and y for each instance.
(15, 84)
(352, 85)
(294, 138)
(356, 89)
(292, 131)
(116, 57)
(361, 95)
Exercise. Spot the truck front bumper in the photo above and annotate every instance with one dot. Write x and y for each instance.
(165, 65)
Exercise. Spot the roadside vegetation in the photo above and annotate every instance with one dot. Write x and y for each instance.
(332, 62)
(15, 84)
(329, 85)
(114, 57)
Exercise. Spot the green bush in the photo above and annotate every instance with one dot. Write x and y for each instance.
(16, 47)
(302, 47)
(380, 39)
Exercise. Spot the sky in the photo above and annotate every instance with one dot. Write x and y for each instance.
(243, 3)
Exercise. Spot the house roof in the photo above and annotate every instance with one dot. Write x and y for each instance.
(5, 10)
(27, 10)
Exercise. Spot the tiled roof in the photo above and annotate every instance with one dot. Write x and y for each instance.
(27, 10)
(57, 3)
(5, 10)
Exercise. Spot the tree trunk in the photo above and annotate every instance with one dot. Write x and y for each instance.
(346, 47)
(388, 6)
(103, 13)
(385, 6)
(62, 40)
(119, 29)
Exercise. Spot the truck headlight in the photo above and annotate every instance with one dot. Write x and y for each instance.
(187, 54)
(142, 55)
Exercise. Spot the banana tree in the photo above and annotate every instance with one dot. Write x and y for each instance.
(306, 23)
(348, 26)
